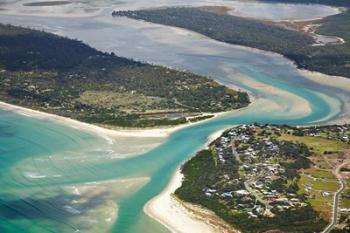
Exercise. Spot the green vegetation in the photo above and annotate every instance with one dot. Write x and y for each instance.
(320, 145)
(330, 59)
(66, 77)
(266, 177)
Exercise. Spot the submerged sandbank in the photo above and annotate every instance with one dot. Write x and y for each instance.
(341, 83)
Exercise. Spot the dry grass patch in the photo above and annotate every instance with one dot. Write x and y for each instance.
(124, 101)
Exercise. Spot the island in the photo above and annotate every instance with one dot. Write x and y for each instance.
(262, 178)
(66, 77)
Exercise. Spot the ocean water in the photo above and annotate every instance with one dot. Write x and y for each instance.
(58, 179)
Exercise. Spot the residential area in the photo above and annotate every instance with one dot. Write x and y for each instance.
(278, 175)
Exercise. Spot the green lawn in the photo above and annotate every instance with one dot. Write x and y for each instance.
(320, 173)
(319, 144)
(318, 184)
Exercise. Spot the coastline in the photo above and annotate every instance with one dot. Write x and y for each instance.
(183, 217)
(108, 134)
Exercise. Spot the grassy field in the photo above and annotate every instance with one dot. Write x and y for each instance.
(318, 144)
(319, 184)
(319, 180)
(317, 173)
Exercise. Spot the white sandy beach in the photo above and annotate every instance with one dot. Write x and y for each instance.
(177, 217)
(108, 134)
(157, 132)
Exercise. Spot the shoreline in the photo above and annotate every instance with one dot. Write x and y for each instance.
(183, 217)
(108, 134)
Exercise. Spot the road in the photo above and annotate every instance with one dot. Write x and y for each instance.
(246, 184)
(336, 198)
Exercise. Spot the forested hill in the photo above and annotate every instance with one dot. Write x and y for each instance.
(297, 46)
(66, 77)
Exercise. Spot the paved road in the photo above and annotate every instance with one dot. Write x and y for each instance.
(336, 199)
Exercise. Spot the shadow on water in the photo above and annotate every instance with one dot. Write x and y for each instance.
(61, 208)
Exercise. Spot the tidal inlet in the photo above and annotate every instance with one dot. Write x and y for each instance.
(174, 116)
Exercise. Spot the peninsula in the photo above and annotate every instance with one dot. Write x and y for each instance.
(66, 77)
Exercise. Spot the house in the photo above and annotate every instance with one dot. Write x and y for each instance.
(326, 194)
(227, 195)
(241, 192)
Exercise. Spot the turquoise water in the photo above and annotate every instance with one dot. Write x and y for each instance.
(33, 203)
(58, 179)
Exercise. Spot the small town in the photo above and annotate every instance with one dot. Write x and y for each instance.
(262, 171)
